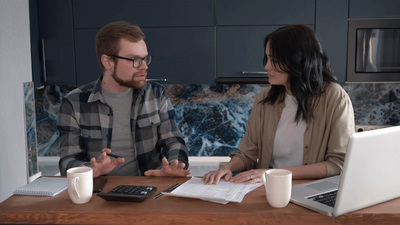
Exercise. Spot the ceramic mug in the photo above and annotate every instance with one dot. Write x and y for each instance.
(80, 184)
(278, 187)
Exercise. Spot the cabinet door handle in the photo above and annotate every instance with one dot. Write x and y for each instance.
(157, 80)
(257, 72)
(44, 61)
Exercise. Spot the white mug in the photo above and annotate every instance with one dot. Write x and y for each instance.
(80, 184)
(278, 187)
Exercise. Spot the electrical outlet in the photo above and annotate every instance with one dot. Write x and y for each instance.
(361, 128)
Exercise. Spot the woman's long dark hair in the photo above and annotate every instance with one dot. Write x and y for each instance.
(295, 50)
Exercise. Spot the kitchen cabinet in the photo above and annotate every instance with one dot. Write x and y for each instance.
(53, 43)
(264, 12)
(180, 35)
(242, 27)
(374, 9)
(87, 66)
(192, 41)
(180, 55)
(148, 13)
(331, 30)
(240, 51)
(35, 40)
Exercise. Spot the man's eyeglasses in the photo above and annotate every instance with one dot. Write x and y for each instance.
(137, 62)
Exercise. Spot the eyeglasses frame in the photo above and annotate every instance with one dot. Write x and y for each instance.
(133, 59)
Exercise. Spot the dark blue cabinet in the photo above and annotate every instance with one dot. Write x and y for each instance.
(180, 55)
(53, 45)
(192, 41)
(241, 29)
(145, 13)
(180, 35)
(87, 66)
(331, 30)
(240, 51)
(265, 12)
(374, 8)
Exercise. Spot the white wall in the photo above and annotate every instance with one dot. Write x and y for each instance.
(15, 69)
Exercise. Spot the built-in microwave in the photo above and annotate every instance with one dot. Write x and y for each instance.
(373, 53)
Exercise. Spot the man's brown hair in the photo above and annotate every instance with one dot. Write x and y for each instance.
(108, 37)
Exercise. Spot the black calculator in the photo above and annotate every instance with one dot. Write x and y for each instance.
(128, 193)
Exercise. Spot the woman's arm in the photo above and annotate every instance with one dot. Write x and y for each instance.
(312, 171)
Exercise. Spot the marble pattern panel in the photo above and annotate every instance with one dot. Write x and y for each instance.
(30, 125)
(213, 118)
(48, 101)
(375, 103)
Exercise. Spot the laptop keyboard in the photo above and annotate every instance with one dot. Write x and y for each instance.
(327, 198)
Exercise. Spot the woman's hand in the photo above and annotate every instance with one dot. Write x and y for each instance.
(213, 177)
(250, 176)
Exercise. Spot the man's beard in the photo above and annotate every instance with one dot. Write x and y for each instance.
(126, 83)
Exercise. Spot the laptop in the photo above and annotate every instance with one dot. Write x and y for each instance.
(370, 176)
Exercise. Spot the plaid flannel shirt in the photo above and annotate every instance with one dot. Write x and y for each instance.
(85, 126)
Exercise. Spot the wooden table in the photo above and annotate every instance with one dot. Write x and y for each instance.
(254, 209)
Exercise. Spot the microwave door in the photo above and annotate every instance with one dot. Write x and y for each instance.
(364, 53)
(370, 58)
(378, 50)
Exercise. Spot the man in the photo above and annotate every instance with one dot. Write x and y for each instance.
(122, 113)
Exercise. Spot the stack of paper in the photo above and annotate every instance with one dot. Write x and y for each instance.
(223, 192)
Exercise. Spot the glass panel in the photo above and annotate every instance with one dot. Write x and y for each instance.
(378, 50)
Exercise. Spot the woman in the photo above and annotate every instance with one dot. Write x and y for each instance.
(302, 122)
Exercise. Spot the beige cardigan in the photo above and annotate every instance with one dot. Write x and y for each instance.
(325, 139)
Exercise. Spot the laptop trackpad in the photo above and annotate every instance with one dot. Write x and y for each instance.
(323, 185)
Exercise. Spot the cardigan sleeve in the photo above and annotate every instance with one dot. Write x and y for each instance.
(341, 128)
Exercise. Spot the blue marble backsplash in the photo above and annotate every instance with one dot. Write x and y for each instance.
(213, 118)
(30, 124)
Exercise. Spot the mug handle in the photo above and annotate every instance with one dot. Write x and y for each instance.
(74, 185)
(264, 178)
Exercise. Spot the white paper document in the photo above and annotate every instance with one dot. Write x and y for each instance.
(223, 192)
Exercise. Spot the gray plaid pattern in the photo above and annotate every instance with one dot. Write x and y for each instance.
(85, 126)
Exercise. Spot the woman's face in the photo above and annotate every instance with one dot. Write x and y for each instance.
(275, 77)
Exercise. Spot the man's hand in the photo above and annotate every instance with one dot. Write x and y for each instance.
(175, 170)
(104, 164)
